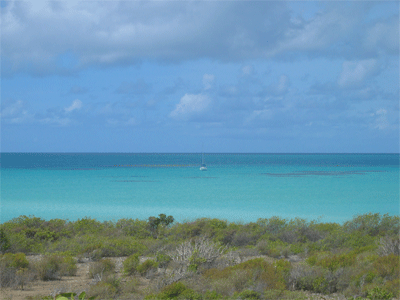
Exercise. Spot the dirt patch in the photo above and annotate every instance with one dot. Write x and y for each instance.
(77, 284)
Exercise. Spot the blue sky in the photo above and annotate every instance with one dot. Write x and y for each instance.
(170, 76)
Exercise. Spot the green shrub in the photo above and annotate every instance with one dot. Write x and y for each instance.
(15, 271)
(131, 264)
(163, 260)
(147, 266)
(212, 295)
(248, 294)
(131, 286)
(4, 241)
(388, 267)
(103, 290)
(262, 247)
(102, 268)
(176, 290)
(70, 267)
(87, 225)
(17, 260)
(251, 272)
(53, 267)
(195, 261)
(378, 293)
(123, 246)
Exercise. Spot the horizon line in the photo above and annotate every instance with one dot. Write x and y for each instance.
(59, 152)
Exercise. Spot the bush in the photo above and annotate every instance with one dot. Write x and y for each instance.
(15, 270)
(131, 264)
(177, 290)
(163, 260)
(53, 267)
(4, 241)
(147, 266)
(250, 273)
(262, 247)
(103, 290)
(102, 268)
(17, 261)
(131, 286)
(249, 294)
(379, 294)
(387, 267)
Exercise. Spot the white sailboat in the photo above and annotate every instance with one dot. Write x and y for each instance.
(203, 165)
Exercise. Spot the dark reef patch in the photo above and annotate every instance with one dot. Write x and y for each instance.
(322, 173)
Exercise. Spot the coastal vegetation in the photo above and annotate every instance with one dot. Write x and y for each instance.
(272, 258)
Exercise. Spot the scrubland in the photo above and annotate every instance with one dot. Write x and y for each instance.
(158, 258)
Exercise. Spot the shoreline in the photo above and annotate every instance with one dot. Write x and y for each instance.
(318, 220)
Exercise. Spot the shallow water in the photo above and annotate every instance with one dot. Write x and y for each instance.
(236, 187)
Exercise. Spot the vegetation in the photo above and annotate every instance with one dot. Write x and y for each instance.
(272, 258)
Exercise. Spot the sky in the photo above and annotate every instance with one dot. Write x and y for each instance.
(182, 76)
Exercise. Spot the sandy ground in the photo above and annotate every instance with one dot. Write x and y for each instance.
(79, 283)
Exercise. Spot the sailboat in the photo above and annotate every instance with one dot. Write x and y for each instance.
(203, 165)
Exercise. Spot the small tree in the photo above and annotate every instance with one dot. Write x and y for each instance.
(161, 220)
(4, 242)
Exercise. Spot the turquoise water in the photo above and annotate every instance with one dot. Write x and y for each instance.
(236, 187)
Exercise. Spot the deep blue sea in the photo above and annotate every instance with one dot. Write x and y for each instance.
(236, 187)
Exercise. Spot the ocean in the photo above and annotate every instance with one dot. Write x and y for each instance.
(236, 187)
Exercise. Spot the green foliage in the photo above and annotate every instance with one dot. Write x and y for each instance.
(131, 264)
(249, 294)
(14, 270)
(71, 296)
(333, 261)
(176, 290)
(101, 268)
(373, 224)
(195, 261)
(353, 258)
(274, 225)
(163, 260)
(387, 267)
(378, 293)
(87, 225)
(131, 227)
(212, 295)
(147, 266)
(53, 267)
(161, 220)
(258, 270)
(4, 241)
(103, 290)
(17, 261)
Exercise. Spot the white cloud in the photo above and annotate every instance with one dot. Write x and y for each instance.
(283, 84)
(131, 122)
(322, 31)
(76, 105)
(190, 105)
(280, 87)
(263, 115)
(36, 37)
(247, 70)
(56, 120)
(355, 72)
(14, 112)
(208, 80)
(12, 109)
(381, 121)
(383, 35)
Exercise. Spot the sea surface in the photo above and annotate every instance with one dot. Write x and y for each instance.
(236, 187)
